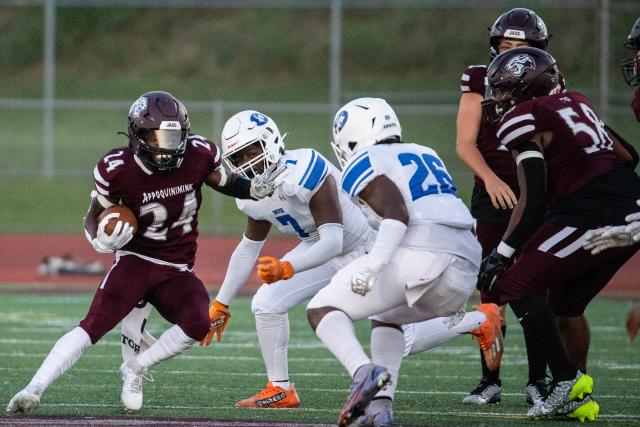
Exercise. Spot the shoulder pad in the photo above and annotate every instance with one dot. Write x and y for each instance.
(109, 167)
(473, 79)
(355, 172)
(518, 125)
(307, 168)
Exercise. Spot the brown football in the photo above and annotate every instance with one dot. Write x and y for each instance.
(121, 213)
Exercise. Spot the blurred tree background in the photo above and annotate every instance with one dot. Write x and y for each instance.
(410, 52)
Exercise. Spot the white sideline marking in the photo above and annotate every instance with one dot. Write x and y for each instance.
(318, 390)
(330, 411)
(298, 374)
(411, 361)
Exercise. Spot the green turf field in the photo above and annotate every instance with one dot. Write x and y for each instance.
(206, 382)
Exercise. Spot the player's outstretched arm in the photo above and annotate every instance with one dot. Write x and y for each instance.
(238, 187)
(325, 208)
(604, 238)
(238, 270)
(382, 195)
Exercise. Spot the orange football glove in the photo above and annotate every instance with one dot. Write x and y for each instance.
(271, 269)
(633, 322)
(219, 316)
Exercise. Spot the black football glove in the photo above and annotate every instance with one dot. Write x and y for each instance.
(490, 269)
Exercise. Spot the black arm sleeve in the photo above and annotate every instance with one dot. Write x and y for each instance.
(533, 198)
(626, 144)
(237, 187)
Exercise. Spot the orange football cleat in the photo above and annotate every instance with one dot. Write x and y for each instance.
(489, 335)
(272, 397)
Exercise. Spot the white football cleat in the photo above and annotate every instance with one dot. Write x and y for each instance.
(131, 395)
(23, 402)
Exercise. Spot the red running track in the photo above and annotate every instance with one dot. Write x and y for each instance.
(20, 255)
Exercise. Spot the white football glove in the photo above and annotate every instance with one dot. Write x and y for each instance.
(633, 224)
(614, 236)
(608, 237)
(122, 234)
(361, 283)
(265, 184)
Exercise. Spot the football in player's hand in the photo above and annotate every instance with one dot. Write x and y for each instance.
(118, 213)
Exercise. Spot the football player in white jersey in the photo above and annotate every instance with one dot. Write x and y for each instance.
(332, 232)
(423, 264)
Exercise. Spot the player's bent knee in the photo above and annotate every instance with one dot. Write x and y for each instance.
(380, 324)
(262, 303)
(196, 325)
(315, 315)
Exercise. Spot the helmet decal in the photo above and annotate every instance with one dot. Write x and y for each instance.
(519, 64)
(259, 119)
(515, 34)
(340, 121)
(170, 124)
(139, 106)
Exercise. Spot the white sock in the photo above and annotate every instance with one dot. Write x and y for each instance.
(387, 349)
(273, 336)
(337, 333)
(131, 335)
(171, 343)
(64, 354)
(431, 333)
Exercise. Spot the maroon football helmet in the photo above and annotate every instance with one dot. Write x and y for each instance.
(518, 75)
(158, 130)
(518, 23)
(631, 66)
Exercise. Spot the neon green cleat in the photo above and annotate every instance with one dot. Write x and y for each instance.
(585, 409)
(561, 394)
(583, 386)
(588, 411)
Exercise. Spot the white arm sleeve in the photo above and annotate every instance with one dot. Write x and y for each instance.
(390, 233)
(240, 265)
(328, 246)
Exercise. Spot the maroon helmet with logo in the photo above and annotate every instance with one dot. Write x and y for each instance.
(631, 66)
(518, 75)
(158, 130)
(519, 23)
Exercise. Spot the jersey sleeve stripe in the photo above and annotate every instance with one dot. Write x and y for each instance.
(309, 166)
(516, 133)
(465, 88)
(466, 77)
(98, 177)
(355, 189)
(356, 170)
(353, 162)
(101, 190)
(512, 122)
(318, 171)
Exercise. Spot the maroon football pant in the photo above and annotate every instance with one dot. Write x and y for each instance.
(489, 235)
(179, 296)
(553, 261)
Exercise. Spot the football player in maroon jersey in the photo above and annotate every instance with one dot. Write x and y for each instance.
(575, 175)
(159, 176)
(624, 235)
(495, 189)
(631, 66)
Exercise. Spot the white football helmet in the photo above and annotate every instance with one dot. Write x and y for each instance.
(245, 129)
(362, 123)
